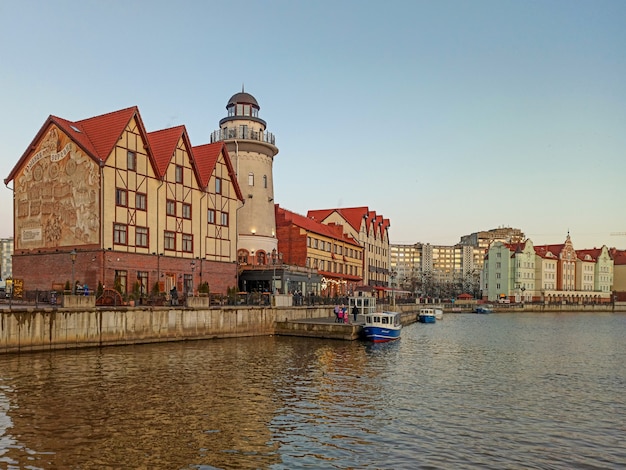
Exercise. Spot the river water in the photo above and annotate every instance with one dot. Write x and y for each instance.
(501, 391)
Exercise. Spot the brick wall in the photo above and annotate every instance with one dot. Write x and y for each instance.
(48, 271)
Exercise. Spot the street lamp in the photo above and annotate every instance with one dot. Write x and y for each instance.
(193, 268)
(393, 292)
(275, 257)
(309, 292)
(73, 258)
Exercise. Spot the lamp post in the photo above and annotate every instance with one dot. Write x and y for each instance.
(73, 258)
(275, 258)
(193, 268)
(393, 292)
(274, 271)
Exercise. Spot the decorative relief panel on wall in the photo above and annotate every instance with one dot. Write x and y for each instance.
(57, 196)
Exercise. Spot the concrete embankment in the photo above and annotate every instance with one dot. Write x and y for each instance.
(30, 329)
(26, 329)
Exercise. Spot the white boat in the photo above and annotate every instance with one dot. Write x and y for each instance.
(427, 315)
(382, 326)
(438, 313)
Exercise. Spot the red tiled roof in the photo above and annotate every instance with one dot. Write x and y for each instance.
(619, 256)
(594, 253)
(542, 250)
(163, 144)
(207, 156)
(311, 225)
(105, 130)
(354, 216)
(96, 136)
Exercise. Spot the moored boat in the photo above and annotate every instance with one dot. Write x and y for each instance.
(438, 313)
(484, 309)
(427, 315)
(382, 326)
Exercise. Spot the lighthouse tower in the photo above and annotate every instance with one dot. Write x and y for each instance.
(252, 150)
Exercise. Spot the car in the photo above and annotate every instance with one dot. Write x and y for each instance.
(504, 301)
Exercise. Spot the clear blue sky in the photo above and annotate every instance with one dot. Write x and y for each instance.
(446, 117)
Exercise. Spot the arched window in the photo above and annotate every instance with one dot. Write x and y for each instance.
(250, 179)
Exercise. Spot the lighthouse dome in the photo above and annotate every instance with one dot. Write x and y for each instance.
(242, 98)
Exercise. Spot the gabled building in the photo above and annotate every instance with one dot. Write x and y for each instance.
(594, 270)
(104, 201)
(509, 272)
(547, 273)
(334, 257)
(371, 230)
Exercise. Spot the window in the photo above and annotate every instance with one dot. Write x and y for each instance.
(211, 216)
(250, 179)
(187, 243)
(120, 281)
(119, 234)
(218, 185)
(188, 283)
(141, 236)
(179, 174)
(121, 197)
(131, 160)
(169, 240)
(140, 201)
(186, 211)
(265, 181)
(142, 278)
(224, 219)
(170, 207)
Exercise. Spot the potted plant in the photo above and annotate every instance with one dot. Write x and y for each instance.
(203, 289)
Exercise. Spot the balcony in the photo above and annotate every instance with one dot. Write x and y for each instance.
(237, 133)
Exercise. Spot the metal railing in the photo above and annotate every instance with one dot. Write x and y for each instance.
(231, 133)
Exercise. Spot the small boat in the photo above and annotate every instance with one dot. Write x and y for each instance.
(382, 326)
(439, 314)
(484, 309)
(427, 315)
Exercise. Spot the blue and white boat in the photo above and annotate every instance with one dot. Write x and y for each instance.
(382, 326)
(427, 315)
(486, 308)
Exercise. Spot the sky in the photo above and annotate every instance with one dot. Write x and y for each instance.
(446, 117)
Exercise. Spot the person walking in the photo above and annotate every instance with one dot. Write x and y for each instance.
(355, 311)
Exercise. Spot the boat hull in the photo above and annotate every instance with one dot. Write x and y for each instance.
(426, 319)
(380, 335)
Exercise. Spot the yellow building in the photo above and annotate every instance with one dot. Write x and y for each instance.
(103, 201)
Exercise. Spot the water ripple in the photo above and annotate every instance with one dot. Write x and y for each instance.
(517, 391)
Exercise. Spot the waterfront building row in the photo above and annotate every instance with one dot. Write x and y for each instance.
(105, 202)
(523, 272)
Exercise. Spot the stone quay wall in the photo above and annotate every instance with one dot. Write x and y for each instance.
(31, 329)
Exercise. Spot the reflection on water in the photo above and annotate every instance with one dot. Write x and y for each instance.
(488, 391)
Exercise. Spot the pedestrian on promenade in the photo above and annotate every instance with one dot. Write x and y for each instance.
(355, 311)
